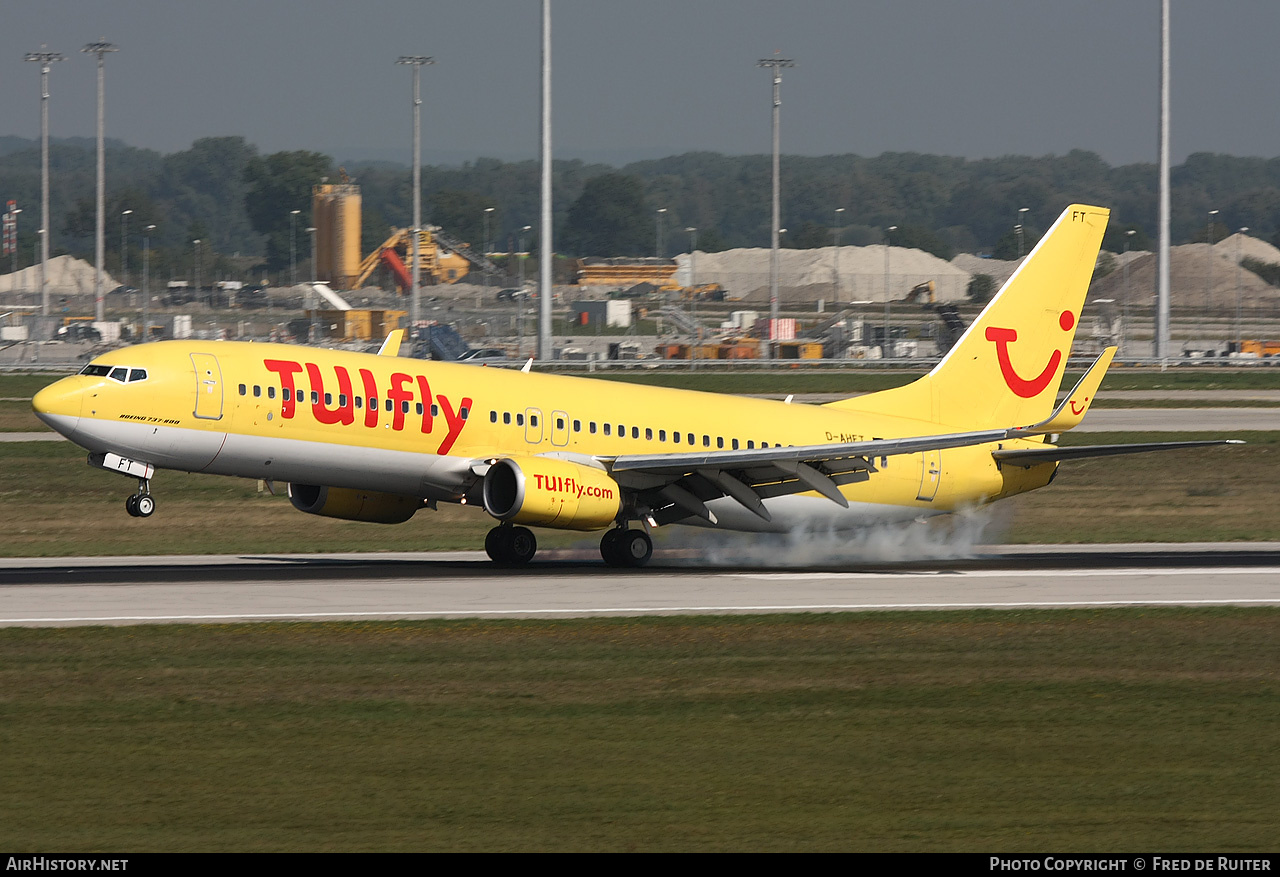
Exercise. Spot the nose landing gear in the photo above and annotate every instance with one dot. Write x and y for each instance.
(141, 504)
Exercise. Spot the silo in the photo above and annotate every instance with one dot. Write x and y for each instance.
(336, 212)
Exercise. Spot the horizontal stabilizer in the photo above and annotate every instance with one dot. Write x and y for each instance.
(1031, 456)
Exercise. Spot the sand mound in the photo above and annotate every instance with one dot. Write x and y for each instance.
(67, 276)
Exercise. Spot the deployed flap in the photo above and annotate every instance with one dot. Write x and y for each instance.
(391, 347)
(1072, 409)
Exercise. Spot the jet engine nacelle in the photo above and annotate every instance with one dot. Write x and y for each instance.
(551, 493)
(353, 505)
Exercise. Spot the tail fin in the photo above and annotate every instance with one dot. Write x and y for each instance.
(1007, 366)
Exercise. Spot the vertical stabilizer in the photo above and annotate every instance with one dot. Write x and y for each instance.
(1007, 366)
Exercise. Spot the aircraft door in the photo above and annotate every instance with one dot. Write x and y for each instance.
(930, 475)
(533, 426)
(208, 386)
(559, 429)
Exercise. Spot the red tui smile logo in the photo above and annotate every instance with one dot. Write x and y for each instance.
(1026, 388)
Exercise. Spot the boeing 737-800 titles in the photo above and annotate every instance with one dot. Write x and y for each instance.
(370, 437)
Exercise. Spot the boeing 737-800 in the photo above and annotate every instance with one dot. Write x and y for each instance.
(370, 437)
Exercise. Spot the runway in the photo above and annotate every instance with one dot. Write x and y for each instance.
(121, 591)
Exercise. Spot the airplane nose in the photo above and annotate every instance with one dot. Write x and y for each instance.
(58, 405)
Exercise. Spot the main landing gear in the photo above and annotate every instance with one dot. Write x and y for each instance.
(510, 546)
(626, 548)
(141, 504)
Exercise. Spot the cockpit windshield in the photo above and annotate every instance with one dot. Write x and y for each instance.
(120, 373)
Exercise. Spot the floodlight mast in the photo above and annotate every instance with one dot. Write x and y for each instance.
(545, 349)
(415, 307)
(100, 48)
(1161, 333)
(44, 58)
(776, 64)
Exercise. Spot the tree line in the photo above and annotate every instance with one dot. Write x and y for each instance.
(239, 202)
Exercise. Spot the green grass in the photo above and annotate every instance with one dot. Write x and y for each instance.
(1017, 731)
(68, 508)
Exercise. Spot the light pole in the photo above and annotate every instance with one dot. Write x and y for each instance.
(1208, 267)
(1124, 306)
(885, 347)
(313, 295)
(545, 349)
(658, 248)
(146, 281)
(293, 247)
(488, 247)
(44, 59)
(1022, 221)
(124, 248)
(13, 265)
(835, 242)
(36, 259)
(1239, 256)
(100, 48)
(415, 307)
(196, 266)
(693, 288)
(524, 230)
(776, 65)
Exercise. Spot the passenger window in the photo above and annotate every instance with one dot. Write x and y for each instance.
(138, 374)
(690, 437)
(533, 420)
(301, 396)
(635, 432)
(675, 437)
(607, 427)
(373, 403)
(418, 408)
(342, 400)
(591, 427)
(464, 413)
(493, 417)
(271, 392)
(506, 417)
(257, 391)
(751, 445)
(328, 399)
(519, 420)
(719, 441)
(622, 431)
(404, 406)
(662, 435)
(359, 401)
(435, 410)
(648, 433)
(577, 426)
(735, 444)
(243, 390)
(559, 423)
(706, 441)
(391, 404)
(315, 397)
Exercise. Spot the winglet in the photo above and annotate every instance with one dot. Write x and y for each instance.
(527, 366)
(391, 347)
(1073, 408)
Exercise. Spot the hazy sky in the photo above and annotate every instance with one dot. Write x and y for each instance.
(643, 79)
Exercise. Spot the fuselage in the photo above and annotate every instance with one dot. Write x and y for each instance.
(419, 428)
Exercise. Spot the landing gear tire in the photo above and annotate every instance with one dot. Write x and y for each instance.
(626, 548)
(140, 505)
(510, 546)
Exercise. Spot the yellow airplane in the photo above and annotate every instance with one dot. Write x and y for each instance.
(377, 437)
